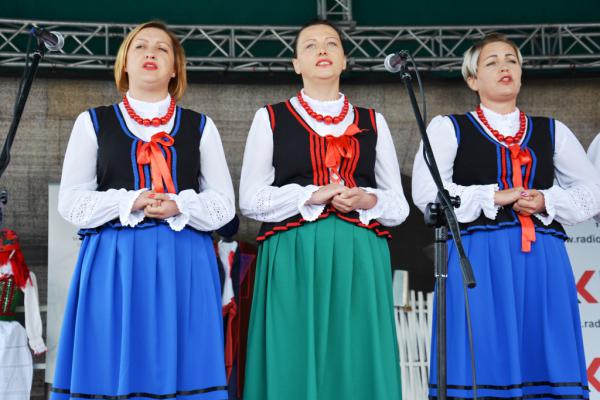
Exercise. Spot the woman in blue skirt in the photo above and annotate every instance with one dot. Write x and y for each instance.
(146, 181)
(519, 179)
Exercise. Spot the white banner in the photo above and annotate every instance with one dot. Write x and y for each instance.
(63, 249)
(584, 251)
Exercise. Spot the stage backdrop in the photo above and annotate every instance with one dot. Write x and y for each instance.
(583, 246)
(63, 248)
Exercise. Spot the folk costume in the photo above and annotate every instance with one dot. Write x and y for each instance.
(322, 324)
(143, 318)
(18, 286)
(524, 310)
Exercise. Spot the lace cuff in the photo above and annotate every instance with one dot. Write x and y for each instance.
(474, 199)
(126, 216)
(486, 199)
(573, 205)
(585, 200)
(548, 216)
(274, 204)
(213, 209)
(366, 216)
(309, 212)
(179, 221)
(83, 208)
(262, 204)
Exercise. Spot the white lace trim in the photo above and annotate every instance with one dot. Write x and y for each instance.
(309, 212)
(83, 208)
(454, 189)
(366, 216)
(548, 216)
(126, 216)
(585, 201)
(489, 208)
(216, 211)
(478, 197)
(179, 221)
(263, 203)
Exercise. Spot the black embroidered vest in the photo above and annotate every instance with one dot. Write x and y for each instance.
(299, 157)
(480, 160)
(117, 165)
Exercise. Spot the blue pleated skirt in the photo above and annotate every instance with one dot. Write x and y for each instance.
(143, 318)
(525, 316)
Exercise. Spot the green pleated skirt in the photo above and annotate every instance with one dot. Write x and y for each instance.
(322, 324)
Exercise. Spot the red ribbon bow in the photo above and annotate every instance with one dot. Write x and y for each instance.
(340, 146)
(520, 158)
(150, 153)
(10, 251)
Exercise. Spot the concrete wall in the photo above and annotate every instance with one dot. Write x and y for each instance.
(54, 104)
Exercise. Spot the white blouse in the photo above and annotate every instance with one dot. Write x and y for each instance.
(574, 197)
(261, 201)
(81, 204)
(594, 156)
(33, 320)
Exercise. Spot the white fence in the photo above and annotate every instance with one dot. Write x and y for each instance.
(413, 326)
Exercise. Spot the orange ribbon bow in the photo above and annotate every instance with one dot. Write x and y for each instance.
(150, 153)
(520, 158)
(340, 146)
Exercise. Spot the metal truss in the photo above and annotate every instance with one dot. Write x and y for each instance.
(339, 11)
(93, 46)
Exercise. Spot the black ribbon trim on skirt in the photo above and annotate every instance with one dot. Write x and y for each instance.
(130, 395)
(528, 396)
(517, 385)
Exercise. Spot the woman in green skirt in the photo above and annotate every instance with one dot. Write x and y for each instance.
(323, 177)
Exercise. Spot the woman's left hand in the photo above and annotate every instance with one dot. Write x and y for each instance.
(162, 208)
(531, 202)
(352, 199)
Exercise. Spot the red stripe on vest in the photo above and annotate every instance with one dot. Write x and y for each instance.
(140, 168)
(168, 153)
(527, 175)
(313, 159)
(356, 155)
(322, 166)
(271, 117)
(372, 115)
(354, 160)
(503, 176)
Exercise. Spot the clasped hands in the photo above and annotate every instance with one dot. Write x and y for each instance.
(155, 205)
(523, 201)
(344, 199)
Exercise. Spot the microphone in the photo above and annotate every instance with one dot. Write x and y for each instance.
(54, 41)
(396, 62)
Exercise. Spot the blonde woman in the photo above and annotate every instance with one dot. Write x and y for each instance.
(519, 178)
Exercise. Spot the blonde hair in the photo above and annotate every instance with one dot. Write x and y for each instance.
(471, 57)
(177, 84)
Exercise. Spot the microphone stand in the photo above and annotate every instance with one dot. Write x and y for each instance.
(22, 95)
(440, 215)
